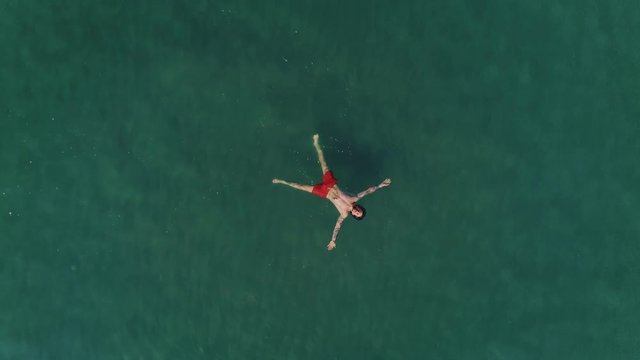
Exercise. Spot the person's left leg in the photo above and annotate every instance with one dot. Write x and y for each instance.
(307, 188)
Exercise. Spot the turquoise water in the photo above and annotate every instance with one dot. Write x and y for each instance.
(139, 139)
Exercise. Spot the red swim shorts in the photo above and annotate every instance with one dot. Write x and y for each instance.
(328, 181)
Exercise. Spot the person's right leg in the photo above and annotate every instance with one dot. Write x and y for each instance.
(323, 163)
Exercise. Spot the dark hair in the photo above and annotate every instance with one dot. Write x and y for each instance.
(361, 208)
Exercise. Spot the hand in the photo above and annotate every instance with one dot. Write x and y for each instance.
(386, 182)
(331, 246)
(315, 138)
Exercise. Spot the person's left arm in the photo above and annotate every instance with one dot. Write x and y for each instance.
(372, 189)
(332, 243)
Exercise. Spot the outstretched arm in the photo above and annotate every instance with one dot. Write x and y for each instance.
(372, 189)
(332, 243)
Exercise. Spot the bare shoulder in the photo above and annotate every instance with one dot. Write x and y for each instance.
(343, 194)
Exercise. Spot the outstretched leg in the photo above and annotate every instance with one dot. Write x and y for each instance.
(323, 163)
(307, 188)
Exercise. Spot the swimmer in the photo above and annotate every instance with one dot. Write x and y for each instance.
(328, 189)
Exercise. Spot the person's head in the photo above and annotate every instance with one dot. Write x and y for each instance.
(358, 212)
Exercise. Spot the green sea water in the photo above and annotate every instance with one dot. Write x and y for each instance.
(138, 140)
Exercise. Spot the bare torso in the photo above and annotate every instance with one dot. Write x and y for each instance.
(342, 201)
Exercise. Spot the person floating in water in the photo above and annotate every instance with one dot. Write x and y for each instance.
(328, 189)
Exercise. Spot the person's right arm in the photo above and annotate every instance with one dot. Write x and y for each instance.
(372, 189)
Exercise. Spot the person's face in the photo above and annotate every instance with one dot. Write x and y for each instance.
(356, 212)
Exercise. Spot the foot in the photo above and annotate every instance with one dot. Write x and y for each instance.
(315, 138)
(277, 181)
